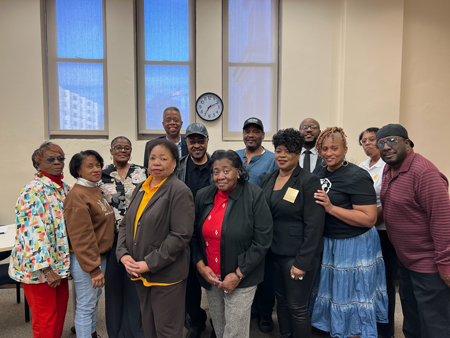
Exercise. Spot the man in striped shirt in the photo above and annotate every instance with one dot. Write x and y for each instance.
(416, 209)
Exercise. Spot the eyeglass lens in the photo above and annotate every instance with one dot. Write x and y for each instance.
(120, 148)
(313, 127)
(52, 159)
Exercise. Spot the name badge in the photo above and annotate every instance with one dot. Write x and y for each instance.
(291, 195)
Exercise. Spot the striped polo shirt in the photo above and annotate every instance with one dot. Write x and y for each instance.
(416, 209)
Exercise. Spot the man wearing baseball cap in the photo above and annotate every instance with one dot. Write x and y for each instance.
(416, 210)
(259, 162)
(195, 171)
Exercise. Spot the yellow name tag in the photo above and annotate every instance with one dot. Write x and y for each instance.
(291, 195)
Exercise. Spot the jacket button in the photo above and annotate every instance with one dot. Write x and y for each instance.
(135, 243)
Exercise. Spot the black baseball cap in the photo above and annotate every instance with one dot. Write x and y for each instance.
(196, 128)
(253, 120)
(393, 129)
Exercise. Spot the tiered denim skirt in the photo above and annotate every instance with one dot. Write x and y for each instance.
(349, 295)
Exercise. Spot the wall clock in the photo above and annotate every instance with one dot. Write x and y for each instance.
(209, 106)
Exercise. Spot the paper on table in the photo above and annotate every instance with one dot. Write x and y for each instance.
(3, 229)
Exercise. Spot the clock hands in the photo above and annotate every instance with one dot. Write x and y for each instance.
(211, 106)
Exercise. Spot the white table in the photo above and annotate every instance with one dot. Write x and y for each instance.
(7, 240)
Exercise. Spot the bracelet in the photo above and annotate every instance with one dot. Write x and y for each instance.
(240, 278)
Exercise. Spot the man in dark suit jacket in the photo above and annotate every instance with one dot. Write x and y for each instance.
(310, 130)
(172, 124)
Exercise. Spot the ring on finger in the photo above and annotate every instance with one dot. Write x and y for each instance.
(225, 291)
(293, 276)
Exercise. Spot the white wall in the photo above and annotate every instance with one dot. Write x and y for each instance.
(351, 63)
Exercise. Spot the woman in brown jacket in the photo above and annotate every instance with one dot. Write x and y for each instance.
(90, 225)
(153, 242)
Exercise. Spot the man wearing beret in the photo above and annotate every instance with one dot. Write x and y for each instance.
(416, 210)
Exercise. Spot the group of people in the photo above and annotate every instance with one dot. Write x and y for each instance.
(296, 225)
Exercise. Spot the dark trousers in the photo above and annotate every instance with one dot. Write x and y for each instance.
(386, 330)
(122, 310)
(162, 309)
(264, 300)
(292, 297)
(196, 316)
(425, 303)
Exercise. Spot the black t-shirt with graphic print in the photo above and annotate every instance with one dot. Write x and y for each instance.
(346, 186)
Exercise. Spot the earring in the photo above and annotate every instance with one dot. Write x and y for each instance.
(130, 158)
(345, 163)
(111, 157)
(323, 164)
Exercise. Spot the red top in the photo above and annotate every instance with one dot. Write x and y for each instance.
(212, 230)
(416, 211)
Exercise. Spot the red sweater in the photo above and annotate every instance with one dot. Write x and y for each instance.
(416, 209)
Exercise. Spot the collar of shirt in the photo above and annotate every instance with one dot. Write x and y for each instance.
(312, 150)
(178, 145)
(146, 185)
(191, 166)
(405, 165)
(366, 164)
(254, 156)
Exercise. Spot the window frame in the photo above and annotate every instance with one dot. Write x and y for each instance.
(226, 64)
(51, 85)
(144, 133)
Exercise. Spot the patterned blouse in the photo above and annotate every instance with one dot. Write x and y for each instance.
(117, 192)
(41, 238)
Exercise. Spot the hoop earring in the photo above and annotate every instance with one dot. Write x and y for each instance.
(323, 164)
(345, 163)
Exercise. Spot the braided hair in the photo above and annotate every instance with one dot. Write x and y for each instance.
(329, 132)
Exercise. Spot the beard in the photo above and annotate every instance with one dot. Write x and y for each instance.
(310, 145)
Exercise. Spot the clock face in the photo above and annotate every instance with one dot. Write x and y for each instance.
(209, 106)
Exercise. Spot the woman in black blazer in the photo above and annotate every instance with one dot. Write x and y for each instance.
(298, 223)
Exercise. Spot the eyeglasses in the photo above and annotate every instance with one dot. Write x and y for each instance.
(192, 142)
(312, 126)
(367, 140)
(120, 148)
(391, 142)
(52, 159)
(176, 120)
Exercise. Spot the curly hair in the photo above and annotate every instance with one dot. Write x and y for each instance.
(235, 161)
(290, 138)
(368, 130)
(330, 132)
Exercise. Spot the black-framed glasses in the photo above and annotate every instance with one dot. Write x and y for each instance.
(192, 142)
(52, 159)
(312, 126)
(175, 120)
(367, 140)
(120, 148)
(391, 142)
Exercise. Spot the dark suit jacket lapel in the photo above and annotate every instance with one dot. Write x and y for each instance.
(291, 182)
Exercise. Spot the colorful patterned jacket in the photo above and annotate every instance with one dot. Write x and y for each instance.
(41, 238)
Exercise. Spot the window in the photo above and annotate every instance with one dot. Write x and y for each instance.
(165, 48)
(76, 67)
(250, 66)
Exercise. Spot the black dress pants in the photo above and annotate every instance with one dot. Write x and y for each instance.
(292, 297)
(195, 315)
(425, 303)
(122, 309)
(264, 300)
(386, 330)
